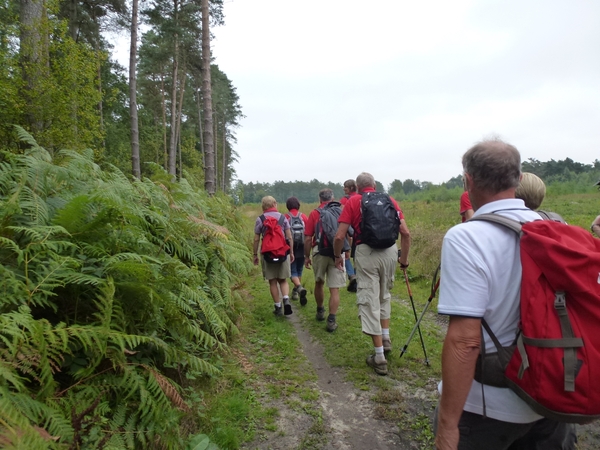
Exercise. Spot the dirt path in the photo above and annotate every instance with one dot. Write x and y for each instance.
(349, 418)
(346, 418)
(348, 412)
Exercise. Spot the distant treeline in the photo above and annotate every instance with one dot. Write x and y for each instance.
(561, 177)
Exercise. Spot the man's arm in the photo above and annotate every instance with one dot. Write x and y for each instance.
(404, 243)
(459, 355)
(338, 244)
(255, 249)
(596, 226)
(468, 214)
(307, 250)
(290, 241)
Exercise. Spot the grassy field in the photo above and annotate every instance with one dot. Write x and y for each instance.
(266, 360)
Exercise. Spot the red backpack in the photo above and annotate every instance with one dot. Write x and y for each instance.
(554, 364)
(274, 246)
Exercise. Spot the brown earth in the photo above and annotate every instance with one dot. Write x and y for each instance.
(397, 417)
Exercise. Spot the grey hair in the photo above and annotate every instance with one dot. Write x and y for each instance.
(531, 190)
(326, 195)
(494, 165)
(365, 180)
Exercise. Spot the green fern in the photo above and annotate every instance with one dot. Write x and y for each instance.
(108, 284)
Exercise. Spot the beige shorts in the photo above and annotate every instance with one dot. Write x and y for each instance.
(325, 270)
(375, 270)
(279, 271)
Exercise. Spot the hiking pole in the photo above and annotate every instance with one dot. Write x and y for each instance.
(434, 287)
(416, 319)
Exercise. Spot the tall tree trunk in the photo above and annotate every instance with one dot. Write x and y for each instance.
(224, 169)
(100, 103)
(32, 53)
(173, 140)
(74, 21)
(209, 151)
(99, 71)
(164, 119)
(179, 152)
(133, 113)
(199, 105)
(179, 114)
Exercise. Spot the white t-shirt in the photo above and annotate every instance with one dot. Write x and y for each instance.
(481, 277)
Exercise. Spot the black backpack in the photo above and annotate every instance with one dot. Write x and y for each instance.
(326, 228)
(380, 223)
(297, 226)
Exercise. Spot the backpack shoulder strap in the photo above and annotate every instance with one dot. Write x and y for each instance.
(281, 221)
(501, 220)
(549, 215)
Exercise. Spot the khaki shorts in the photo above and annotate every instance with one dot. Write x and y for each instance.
(324, 269)
(279, 271)
(375, 270)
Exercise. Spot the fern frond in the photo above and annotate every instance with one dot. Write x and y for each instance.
(24, 136)
(26, 423)
(168, 388)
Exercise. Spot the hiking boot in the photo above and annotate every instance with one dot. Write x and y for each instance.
(303, 299)
(287, 307)
(320, 314)
(352, 285)
(379, 364)
(331, 325)
(387, 344)
(295, 295)
(278, 311)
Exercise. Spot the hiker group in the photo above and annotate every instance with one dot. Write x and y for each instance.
(363, 228)
(521, 355)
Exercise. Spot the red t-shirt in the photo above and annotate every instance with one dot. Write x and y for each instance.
(298, 251)
(345, 199)
(311, 223)
(465, 204)
(351, 213)
(295, 213)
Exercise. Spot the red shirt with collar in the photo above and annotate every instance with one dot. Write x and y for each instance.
(351, 214)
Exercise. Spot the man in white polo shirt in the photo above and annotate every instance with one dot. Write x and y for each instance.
(481, 278)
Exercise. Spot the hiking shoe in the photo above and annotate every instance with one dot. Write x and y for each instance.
(331, 326)
(278, 311)
(287, 308)
(302, 292)
(352, 285)
(380, 367)
(295, 295)
(320, 314)
(387, 344)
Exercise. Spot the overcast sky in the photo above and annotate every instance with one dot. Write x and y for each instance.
(401, 89)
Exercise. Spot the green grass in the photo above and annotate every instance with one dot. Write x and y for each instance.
(266, 363)
(348, 347)
(231, 406)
